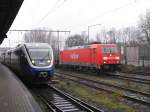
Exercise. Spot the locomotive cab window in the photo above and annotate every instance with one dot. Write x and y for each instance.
(109, 50)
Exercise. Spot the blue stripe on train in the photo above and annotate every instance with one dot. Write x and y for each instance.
(36, 71)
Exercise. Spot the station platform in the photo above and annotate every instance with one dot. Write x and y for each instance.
(14, 96)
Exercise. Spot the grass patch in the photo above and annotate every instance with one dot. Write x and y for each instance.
(128, 68)
(112, 102)
(133, 69)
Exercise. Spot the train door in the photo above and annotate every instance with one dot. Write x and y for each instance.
(3, 57)
(25, 67)
(93, 53)
(23, 58)
(9, 58)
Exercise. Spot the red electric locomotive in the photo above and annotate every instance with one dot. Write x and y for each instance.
(96, 56)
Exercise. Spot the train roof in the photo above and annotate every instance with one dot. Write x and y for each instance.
(29, 45)
(33, 44)
(89, 46)
(37, 45)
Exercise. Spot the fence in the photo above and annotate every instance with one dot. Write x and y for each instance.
(140, 62)
(137, 55)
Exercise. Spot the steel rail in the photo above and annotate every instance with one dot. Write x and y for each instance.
(128, 78)
(138, 73)
(110, 88)
(63, 102)
(133, 79)
(47, 104)
(94, 109)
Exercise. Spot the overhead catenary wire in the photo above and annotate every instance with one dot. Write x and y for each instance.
(53, 10)
(113, 10)
(107, 12)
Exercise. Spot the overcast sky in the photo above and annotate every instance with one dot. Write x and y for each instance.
(77, 15)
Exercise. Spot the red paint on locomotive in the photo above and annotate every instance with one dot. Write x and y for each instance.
(94, 55)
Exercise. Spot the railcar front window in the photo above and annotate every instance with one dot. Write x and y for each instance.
(40, 54)
(109, 50)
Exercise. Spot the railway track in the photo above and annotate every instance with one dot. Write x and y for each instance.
(140, 73)
(125, 76)
(58, 101)
(130, 94)
(129, 78)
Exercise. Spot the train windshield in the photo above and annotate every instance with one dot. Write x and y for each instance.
(40, 54)
(109, 50)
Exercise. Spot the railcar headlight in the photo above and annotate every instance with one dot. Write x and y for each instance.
(105, 58)
(48, 61)
(118, 57)
(33, 62)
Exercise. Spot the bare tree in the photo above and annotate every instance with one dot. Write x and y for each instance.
(112, 34)
(41, 35)
(36, 35)
(75, 40)
(130, 35)
(84, 36)
(98, 37)
(144, 25)
(102, 36)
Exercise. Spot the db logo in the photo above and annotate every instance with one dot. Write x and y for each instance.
(74, 56)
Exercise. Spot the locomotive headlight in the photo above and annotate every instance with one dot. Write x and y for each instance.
(105, 58)
(104, 62)
(33, 62)
(118, 57)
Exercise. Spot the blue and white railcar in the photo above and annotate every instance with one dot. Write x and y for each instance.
(32, 61)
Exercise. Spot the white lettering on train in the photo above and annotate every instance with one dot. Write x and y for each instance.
(74, 56)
